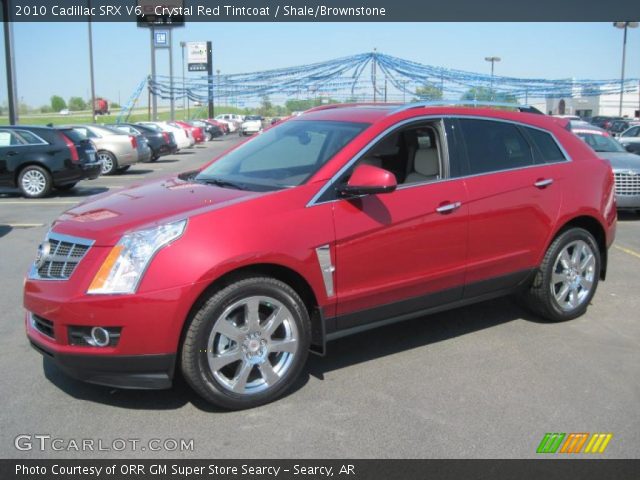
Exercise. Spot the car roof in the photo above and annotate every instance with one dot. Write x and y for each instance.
(373, 113)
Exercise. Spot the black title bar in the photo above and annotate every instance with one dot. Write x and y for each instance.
(544, 468)
(175, 12)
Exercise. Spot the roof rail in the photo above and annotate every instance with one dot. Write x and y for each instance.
(330, 106)
(472, 103)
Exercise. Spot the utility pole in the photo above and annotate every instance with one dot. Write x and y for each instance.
(624, 26)
(184, 85)
(93, 85)
(210, 77)
(172, 99)
(154, 100)
(12, 92)
(493, 60)
(218, 94)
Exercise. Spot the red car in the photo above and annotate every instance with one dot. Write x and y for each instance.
(196, 132)
(341, 219)
(224, 126)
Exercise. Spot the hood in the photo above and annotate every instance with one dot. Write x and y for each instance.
(622, 160)
(106, 217)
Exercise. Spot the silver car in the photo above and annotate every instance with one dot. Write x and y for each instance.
(630, 139)
(115, 149)
(626, 167)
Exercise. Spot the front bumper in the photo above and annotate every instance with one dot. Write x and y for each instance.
(131, 371)
(628, 202)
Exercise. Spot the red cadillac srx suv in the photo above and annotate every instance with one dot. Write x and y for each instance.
(341, 219)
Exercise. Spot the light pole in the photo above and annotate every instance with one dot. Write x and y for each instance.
(184, 85)
(493, 60)
(624, 26)
(93, 87)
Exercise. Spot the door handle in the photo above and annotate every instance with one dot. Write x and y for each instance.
(543, 182)
(448, 207)
(11, 153)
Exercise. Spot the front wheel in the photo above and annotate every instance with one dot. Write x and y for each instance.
(247, 344)
(567, 278)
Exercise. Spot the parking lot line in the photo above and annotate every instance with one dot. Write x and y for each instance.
(24, 225)
(40, 202)
(628, 251)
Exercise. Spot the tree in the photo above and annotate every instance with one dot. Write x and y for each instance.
(77, 103)
(265, 107)
(115, 106)
(47, 109)
(428, 92)
(57, 103)
(485, 94)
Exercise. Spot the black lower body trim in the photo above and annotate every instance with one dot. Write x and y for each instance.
(121, 371)
(427, 304)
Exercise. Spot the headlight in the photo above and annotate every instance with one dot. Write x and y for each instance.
(126, 263)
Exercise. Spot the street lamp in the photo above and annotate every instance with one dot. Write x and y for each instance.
(624, 26)
(184, 85)
(493, 60)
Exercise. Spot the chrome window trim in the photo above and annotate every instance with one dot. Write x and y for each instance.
(345, 167)
(60, 237)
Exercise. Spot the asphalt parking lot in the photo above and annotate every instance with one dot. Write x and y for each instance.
(486, 381)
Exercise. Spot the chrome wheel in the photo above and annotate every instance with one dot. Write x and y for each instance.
(107, 162)
(573, 275)
(33, 182)
(252, 345)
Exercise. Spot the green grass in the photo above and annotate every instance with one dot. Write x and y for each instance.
(137, 116)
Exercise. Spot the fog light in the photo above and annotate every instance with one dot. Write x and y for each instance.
(100, 337)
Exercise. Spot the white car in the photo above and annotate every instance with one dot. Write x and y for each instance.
(183, 137)
(252, 124)
(231, 119)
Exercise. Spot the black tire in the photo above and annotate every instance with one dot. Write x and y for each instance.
(195, 353)
(540, 298)
(35, 181)
(109, 162)
(67, 187)
(124, 169)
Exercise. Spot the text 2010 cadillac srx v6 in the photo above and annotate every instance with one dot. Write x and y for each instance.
(344, 218)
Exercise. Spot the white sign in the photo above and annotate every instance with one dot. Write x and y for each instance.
(197, 56)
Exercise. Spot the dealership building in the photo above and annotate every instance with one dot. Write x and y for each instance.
(592, 105)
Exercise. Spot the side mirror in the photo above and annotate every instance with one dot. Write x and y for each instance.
(369, 180)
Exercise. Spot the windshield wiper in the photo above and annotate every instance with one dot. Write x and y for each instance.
(218, 182)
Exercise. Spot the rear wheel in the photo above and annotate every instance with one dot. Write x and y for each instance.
(35, 182)
(567, 278)
(109, 162)
(247, 344)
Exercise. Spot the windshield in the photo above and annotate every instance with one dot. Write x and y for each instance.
(284, 156)
(600, 143)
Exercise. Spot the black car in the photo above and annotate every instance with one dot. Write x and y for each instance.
(210, 130)
(38, 159)
(619, 126)
(604, 121)
(161, 143)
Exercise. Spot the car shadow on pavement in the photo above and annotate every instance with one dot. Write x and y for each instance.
(416, 333)
(167, 160)
(345, 352)
(4, 230)
(629, 216)
(136, 172)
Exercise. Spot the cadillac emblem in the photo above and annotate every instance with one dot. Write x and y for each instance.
(44, 249)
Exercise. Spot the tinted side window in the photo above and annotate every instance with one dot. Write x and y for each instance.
(29, 137)
(547, 150)
(493, 146)
(632, 132)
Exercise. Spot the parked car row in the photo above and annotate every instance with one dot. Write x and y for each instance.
(38, 159)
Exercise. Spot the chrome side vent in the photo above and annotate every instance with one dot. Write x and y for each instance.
(327, 268)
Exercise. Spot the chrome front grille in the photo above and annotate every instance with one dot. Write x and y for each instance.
(58, 256)
(627, 183)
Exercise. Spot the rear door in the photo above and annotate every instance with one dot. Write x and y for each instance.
(514, 196)
(10, 156)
